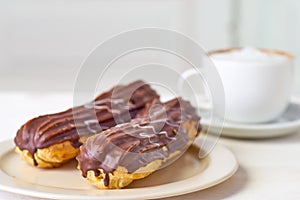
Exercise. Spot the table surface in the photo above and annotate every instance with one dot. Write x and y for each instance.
(268, 168)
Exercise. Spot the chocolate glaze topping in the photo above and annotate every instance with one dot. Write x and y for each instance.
(137, 143)
(121, 102)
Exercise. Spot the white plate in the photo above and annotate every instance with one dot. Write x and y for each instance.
(187, 174)
(287, 123)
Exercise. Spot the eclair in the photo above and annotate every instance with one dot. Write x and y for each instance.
(50, 140)
(119, 155)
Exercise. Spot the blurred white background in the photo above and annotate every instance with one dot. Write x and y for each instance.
(43, 43)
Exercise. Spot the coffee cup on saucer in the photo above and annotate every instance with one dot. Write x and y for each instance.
(257, 83)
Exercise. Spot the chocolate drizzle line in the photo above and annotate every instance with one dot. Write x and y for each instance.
(47, 130)
(137, 143)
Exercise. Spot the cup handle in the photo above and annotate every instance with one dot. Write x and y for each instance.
(203, 99)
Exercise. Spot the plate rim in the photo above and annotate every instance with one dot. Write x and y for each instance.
(160, 191)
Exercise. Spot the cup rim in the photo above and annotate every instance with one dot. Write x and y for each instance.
(268, 51)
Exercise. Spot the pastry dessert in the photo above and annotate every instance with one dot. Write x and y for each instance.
(129, 151)
(50, 140)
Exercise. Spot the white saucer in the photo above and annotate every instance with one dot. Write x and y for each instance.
(287, 123)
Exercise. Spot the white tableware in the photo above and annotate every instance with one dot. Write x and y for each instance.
(192, 174)
(287, 123)
(257, 82)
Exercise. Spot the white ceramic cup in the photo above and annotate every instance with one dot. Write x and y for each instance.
(256, 91)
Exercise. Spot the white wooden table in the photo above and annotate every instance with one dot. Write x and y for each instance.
(269, 168)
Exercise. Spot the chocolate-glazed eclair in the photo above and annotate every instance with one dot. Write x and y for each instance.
(50, 140)
(134, 150)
